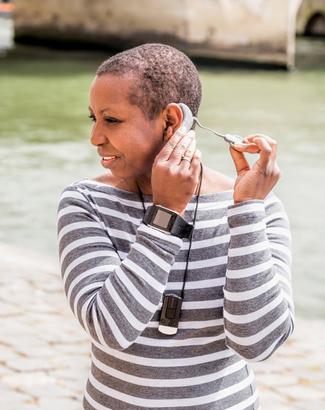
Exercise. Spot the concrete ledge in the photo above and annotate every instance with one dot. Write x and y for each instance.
(259, 31)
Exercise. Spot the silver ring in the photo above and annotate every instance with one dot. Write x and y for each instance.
(183, 158)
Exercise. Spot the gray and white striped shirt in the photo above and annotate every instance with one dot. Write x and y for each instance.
(237, 303)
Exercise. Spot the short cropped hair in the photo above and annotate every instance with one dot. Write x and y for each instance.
(162, 75)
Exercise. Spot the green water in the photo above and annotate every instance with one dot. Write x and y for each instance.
(44, 145)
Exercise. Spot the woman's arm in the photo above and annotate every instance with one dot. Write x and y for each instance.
(113, 300)
(258, 305)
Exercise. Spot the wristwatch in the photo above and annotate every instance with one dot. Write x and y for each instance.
(167, 221)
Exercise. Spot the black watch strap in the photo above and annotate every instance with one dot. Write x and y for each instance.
(168, 221)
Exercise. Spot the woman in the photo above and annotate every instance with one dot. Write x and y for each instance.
(126, 242)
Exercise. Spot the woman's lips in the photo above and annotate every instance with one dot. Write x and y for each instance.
(107, 160)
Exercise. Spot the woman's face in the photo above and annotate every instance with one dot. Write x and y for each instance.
(120, 131)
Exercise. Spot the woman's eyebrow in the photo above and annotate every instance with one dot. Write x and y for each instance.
(101, 111)
(106, 109)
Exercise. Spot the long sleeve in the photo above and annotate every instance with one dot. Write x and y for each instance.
(258, 304)
(113, 300)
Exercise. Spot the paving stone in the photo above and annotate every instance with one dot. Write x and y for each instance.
(297, 393)
(269, 396)
(13, 397)
(27, 407)
(29, 364)
(53, 389)
(4, 371)
(7, 354)
(310, 405)
(20, 380)
(7, 309)
(55, 404)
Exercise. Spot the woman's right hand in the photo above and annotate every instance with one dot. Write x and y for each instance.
(174, 180)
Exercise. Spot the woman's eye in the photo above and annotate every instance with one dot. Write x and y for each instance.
(111, 120)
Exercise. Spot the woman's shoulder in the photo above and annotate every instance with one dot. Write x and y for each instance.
(85, 192)
(107, 189)
(83, 183)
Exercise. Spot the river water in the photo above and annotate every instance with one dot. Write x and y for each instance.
(44, 145)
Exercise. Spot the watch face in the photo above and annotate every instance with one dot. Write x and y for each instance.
(162, 219)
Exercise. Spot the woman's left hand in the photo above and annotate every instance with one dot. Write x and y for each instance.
(257, 181)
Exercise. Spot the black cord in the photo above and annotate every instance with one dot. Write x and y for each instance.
(191, 237)
(141, 197)
(194, 220)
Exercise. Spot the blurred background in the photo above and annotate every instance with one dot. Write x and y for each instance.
(262, 66)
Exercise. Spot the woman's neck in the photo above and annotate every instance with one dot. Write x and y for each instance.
(144, 184)
(133, 184)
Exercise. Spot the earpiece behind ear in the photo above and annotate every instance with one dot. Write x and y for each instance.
(188, 119)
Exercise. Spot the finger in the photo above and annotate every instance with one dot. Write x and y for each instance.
(272, 142)
(170, 145)
(187, 156)
(195, 163)
(240, 161)
(250, 148)
(265, 153)
(181, 147)
(252, 136)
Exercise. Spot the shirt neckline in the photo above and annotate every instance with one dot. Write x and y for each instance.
(212, 195)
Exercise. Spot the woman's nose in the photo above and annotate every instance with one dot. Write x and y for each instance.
(98, 136)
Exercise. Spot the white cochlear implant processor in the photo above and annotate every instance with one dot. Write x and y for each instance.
(189, 120)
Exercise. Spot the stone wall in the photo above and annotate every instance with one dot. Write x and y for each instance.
(249, 30)
(308, 10)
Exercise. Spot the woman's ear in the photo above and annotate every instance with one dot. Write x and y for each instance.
(168, 132)
(173, 117)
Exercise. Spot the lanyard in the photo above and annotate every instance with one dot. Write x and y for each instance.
(194, 220)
